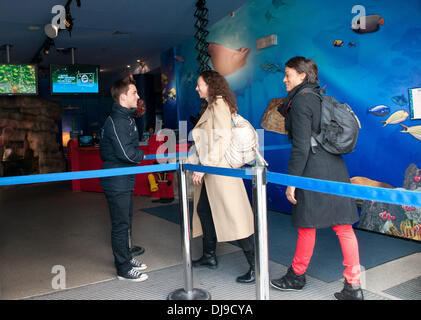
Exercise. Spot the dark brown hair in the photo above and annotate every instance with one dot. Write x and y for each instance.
(308, 66)
(121, 86)
(217, 86)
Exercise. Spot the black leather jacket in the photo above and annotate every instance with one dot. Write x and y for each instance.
(119, 147)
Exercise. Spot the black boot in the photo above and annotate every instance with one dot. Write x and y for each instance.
(290, 281)
(250, 276)
(350, 292)
(207, 260)
(209, 256)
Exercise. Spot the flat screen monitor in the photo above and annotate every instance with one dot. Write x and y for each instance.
(74, 79)
(85, 141)
(18, 79)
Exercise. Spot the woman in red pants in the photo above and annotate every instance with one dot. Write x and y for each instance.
(313, 210)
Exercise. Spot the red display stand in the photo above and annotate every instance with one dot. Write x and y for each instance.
(88, 158)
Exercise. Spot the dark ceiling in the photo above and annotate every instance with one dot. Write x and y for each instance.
(109, 33)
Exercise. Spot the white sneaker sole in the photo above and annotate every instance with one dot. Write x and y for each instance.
(141, 268)
(282, 289)
(143, 277)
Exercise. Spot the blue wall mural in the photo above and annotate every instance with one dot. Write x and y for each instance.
(169, 94)
(371, 69)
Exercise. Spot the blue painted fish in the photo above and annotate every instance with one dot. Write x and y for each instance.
(415, 131)
(396, 117)
(400, 100)
(379, 110)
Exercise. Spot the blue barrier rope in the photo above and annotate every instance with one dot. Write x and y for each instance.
(166, 156)
(74, 175)
(186, 154)
(238, 173)
(276, 147)
(401, 197)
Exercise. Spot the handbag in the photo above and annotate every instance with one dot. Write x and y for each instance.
(244, 145)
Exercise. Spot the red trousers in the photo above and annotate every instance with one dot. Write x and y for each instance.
(305, 246)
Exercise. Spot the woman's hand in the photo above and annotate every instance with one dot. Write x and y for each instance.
(290, 193)
(197, 177)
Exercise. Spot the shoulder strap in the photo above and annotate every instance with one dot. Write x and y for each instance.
(313, 141)
(317, 94)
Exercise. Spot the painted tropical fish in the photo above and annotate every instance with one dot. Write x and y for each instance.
(415, 131)
(400, 100)
(269, 17)
(272, 67)
(379, 110)
(408, 208)
(278, 3)
(372, 24)
(172, 94)
(396, 117)
(386, 216)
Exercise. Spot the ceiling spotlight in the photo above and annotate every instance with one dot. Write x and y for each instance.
(138, 60)
(128, 66)
(34, 28)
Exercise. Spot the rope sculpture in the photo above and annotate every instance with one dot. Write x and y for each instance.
(201, 15)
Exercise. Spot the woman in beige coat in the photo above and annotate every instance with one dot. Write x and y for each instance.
(222, 210)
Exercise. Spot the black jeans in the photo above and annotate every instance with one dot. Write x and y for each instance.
(209, 235)
(120, 205)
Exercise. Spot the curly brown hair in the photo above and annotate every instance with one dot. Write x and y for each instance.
(217, 86)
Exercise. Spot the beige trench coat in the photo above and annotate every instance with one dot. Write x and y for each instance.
(231, 210)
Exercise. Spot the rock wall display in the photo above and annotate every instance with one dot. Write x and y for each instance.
(28, 136)
(397, 220)
(272, 120)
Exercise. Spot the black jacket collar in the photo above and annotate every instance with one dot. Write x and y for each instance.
(305, 85)
(119, 109)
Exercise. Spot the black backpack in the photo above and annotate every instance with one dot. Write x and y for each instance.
(339, 126)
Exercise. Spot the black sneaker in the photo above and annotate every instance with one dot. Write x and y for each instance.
(289, 282)
(137, 265)
(133, 275)
(350, 292)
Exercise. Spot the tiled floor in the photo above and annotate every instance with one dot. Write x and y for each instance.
(46, 227)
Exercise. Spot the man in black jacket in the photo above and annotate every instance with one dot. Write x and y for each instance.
(119, 147)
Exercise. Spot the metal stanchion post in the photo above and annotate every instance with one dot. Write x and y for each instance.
(261, 233)
(188, 292)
